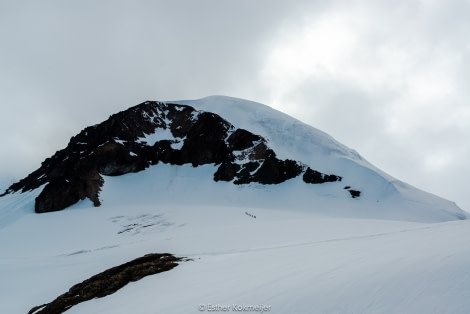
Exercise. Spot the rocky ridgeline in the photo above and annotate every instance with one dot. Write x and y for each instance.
(153, 132)
(109, 281)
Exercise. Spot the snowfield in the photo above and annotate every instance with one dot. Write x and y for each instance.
(287, 248)
(292, 259)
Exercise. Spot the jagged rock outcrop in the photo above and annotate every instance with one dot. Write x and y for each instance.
(153, 132)
(316, 177)
(109, 281)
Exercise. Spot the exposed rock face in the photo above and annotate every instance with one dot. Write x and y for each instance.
(153, 132)
(354, 193)
(316, 177)
(109, 281)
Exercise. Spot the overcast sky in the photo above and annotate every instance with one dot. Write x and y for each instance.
(389, 79)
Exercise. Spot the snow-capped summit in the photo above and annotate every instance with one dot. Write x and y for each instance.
(245, 143)
(293, 139)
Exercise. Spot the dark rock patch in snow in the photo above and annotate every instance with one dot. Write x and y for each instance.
(109, 281)
(355, 193)
(316, 177)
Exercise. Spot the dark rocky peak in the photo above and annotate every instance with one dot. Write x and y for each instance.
(153, 132)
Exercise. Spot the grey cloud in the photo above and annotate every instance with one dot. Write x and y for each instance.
(68, 65)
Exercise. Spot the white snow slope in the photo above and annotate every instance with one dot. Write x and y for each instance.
(310, 249)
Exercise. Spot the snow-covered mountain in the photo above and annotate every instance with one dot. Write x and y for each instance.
(269, 211)
(154, 132)
(245, 143)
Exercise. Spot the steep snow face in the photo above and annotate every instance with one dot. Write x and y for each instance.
(289, 137)
(292, 138)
